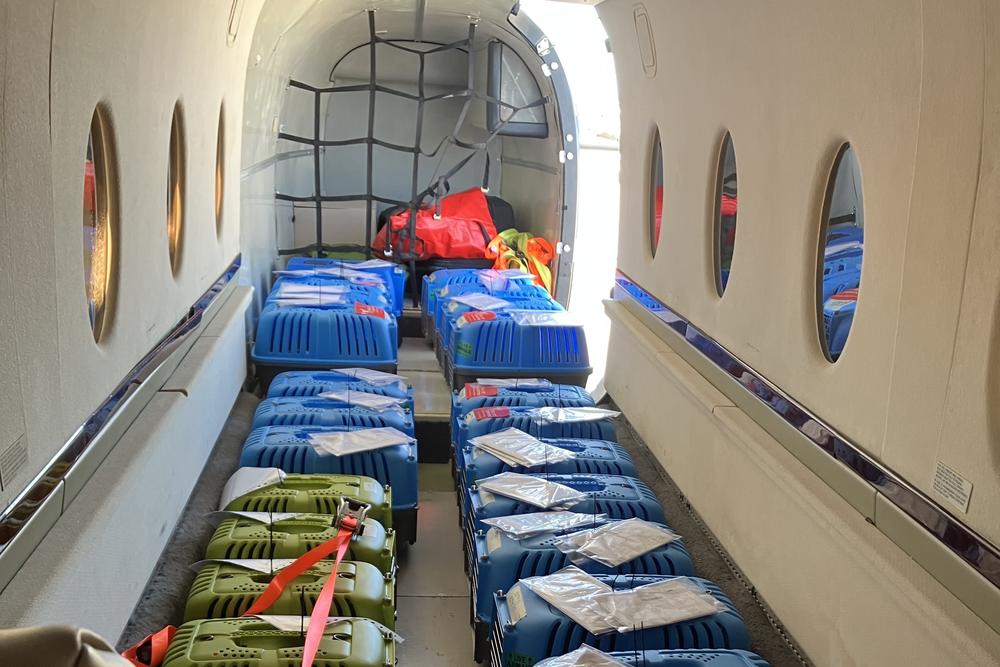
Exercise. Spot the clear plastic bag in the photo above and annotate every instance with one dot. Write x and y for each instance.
(545, 318)
(516, 448)
(300, 623)
(345, 443)
(245, 480)
(585, 656)
(362, 399)
(579, 596)
(535, 491)
(523, 526)
(661, 603)
(372, 377)
(481, 301)
(615, 542)
(516, 383)
(289, 290)
(263, 565)
(316, 300)
(554, 415)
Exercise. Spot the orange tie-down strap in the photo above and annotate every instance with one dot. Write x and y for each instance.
(151, 651)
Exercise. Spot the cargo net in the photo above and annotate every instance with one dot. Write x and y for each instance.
(438, 186)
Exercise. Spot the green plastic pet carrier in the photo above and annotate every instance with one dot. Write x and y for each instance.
(319, 494)
(251, 642)
(223, 590)
(239, 537)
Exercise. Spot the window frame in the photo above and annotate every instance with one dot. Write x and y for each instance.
(106, 211)
(494, 79)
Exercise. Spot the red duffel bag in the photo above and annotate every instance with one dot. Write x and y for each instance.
(463, 231)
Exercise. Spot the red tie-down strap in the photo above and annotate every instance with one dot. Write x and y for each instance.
(151, 651)
(350, 521)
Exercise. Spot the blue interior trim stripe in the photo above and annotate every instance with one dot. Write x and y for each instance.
(976, 551)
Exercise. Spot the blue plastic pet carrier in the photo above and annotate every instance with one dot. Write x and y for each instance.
(486, 396)
(692, 658)
(543, 631)
(592, 457)
(312, 383)
(617, 496)
(291, 411)
(289, 448)
(494, 345)
(302, 338)
(500, 561)
(481, 421)
(838, 316)
(447, 336)
(394, 276)
(432, 284)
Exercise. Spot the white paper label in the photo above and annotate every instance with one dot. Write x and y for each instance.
(260, 517)
(493, 540)
(515, 604)
(952, 487)
(263, 565)
(245, 480)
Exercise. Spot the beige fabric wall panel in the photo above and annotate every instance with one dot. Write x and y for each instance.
(847, 594)
(791, 84)
(138, 59)
(968, 439)
(30, 329)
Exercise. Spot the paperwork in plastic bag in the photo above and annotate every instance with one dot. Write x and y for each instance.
(516, 448)
(578, 595)
(316, 300)
(372, 377)
(262, 565)
(585, 656)
(287, 289)
(661, 603)
(363, 399)
(299, 623)
(601, 610)
(481, 301)
(535, 491)
(523, 526)
(345, 443)
(553, 415)
(616, 542)
(545, 318)
(516, 383)
(245, 480)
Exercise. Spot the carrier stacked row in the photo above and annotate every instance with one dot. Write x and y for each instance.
(539, 472)
(331, 460)
(330, 313)
(489, 323)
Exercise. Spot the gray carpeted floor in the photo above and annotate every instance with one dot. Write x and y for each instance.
(162, 602)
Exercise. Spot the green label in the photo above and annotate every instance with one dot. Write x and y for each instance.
(519, 660)
(465, 349)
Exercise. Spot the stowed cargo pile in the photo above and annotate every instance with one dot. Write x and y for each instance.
(488, 323)
(552, 512)
(302, 566)
(330, 313)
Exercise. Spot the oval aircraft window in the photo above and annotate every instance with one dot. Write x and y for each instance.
(656, 195)
(841, 252)
(725, 212)
(99, 213)
(220, 168)
(175, 189)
